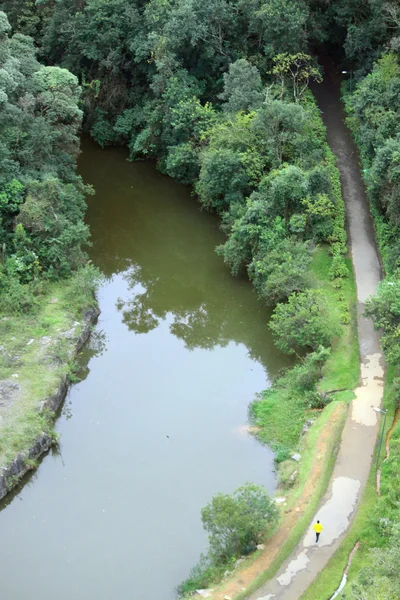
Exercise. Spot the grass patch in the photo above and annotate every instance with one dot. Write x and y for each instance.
(36, 351)
(342, 369)
(281, 411)
(308, 464)
(363, 528)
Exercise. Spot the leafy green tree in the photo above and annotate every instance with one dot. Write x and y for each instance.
(319, 211)
(222, 180)
(39, 189)
(359, 28)
(281, 25)
(303, 323)
(385, 181)
(384, 309)
(286, 129)
(284, 191)
(11, 197)
(253, 233)
(53, 216)
(242, 87)
(296, 71)
(281, 271)
(374, 109)
(237, 523)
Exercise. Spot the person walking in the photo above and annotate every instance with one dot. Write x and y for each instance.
(317, 528)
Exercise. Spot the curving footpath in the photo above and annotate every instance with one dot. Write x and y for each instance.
(360, 431)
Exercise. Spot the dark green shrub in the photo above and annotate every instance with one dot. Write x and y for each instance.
(338, 268)
(303, 323)
(234, 522)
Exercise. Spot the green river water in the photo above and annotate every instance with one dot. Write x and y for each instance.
(157, 425)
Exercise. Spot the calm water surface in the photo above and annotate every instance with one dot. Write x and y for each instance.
(156, 427)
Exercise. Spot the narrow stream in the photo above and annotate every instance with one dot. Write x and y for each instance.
(157, 425)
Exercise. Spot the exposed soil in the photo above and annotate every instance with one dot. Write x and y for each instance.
(245, 575)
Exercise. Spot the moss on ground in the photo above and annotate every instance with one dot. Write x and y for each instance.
(36, 354)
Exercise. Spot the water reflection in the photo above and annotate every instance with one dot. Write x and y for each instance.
(157, 429)
(155, 234)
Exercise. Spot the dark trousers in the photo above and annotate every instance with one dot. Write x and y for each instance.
(317, 535)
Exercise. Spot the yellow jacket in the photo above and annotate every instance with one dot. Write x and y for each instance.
(318, 527)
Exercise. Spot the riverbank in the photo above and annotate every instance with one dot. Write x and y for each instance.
(351, 470)
(303, 483)
(36, 366)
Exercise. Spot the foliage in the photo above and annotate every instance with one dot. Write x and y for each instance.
(236, 523)
(303, 323)
(281, 410)
(41, 198)
(216, 92)
(296, 70)
(281, 271)
(242, 87)
(374, 119)
(384, 309)
(380, 577)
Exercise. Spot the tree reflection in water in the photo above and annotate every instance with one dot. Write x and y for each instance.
(202, 318)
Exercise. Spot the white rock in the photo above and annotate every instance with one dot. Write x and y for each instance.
(260, 546)
(227, 598)
(237, 563)
(205, 593)
(15, 375)
(30, 342)
(296, 457)
(280, 500)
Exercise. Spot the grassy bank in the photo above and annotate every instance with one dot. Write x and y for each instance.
(316, 465)
(37, 353)
(284, 423)
(367, 525)
(280, 413)
(281, 421)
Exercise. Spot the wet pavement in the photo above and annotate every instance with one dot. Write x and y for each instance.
(353, 462)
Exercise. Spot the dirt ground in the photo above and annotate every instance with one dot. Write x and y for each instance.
(245, 575)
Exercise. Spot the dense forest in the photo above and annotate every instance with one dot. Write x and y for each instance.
(217, 92)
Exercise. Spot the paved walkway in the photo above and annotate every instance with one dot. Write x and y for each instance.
(359, 435)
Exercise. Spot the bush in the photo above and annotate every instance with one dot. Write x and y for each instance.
(337, 284)
(239, 521)
(200, 576)
(281, 454)
(16, 297)
(303, 323)
(282, 271)
(345, 318)
(80, 293)
(338, 267)
(384, 309)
